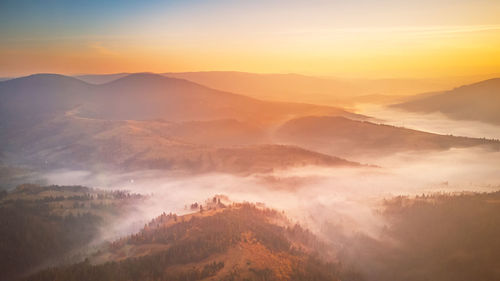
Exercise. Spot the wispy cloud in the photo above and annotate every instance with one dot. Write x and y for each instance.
(423, 30)
(101, 49)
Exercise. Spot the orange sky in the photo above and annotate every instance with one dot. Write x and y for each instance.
(364, 38)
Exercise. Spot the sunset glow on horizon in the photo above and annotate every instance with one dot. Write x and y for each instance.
(369, 39)
(191, 140)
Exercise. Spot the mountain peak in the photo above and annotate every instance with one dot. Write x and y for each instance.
(46, 78)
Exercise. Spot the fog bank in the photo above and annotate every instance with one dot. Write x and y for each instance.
(313, 196)
(431, 122)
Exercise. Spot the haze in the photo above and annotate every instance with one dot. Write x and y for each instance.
(250, 140)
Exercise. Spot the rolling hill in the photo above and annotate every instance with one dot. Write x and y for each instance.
(221, 242)
(342, 136)
(27, 101)
(145, 121)
(82, 143)
(479, 101)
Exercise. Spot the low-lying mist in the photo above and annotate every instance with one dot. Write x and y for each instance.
(346, 206)
(313, 196)
(429, 122)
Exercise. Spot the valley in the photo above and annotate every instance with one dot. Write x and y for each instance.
(296, 191)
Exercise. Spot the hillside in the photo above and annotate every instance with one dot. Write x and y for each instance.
(235, 242)
(479, 102)
(144, 121)
(442, 236)
(345, 137)
(80, 143)
(48, 225)
(24, 102)
(220, 132)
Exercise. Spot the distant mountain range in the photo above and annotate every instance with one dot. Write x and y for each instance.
(149, 121)
(273, 87)
(139, 96)
(146, 121)
(479, 101)
(309, 89)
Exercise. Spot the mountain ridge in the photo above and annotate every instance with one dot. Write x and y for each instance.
(150, 96)
(341, 136)
(478, 102)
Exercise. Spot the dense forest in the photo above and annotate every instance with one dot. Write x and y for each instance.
(440, 237)
(43, 226)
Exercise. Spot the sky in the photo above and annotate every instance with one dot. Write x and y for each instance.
(357, 38)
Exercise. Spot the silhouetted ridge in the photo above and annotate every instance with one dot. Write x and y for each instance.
(479, 101)
(341, 136)
(151, 80)
(493, 82)
(44, 80)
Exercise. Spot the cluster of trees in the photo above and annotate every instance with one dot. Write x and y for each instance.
(3, 193)
(310, 269)
(213, 203)
(85, 193)
(31, 236)
(36, 189)
(433, 237)
(162, 219)
(138, 269)
(35, 233)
